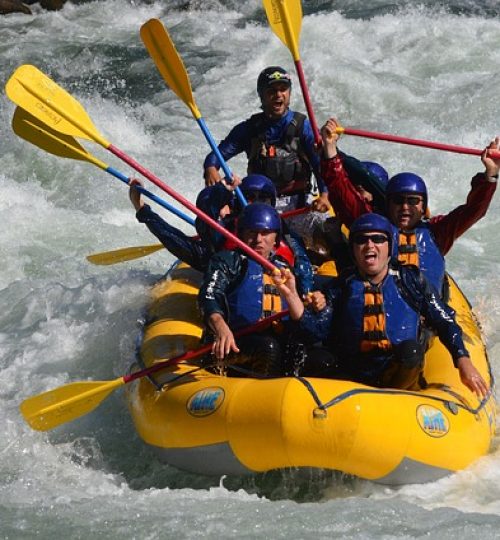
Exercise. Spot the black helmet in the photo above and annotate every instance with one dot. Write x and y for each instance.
(272, 75)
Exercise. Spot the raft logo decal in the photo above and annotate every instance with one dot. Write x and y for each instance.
(205, 402)
(433, 421)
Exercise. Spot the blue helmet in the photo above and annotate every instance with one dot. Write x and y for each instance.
(272, 75)
(258, 184)
(369, 223)
(259, 217)
(407, 182)
(203, 199)
(377, 170)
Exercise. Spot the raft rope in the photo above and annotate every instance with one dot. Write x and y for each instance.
(450, 405)
(323, 407)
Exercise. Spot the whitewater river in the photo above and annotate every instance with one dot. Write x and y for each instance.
(429, 72)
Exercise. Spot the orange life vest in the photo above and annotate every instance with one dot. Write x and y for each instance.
(374, 323)
(407, 248)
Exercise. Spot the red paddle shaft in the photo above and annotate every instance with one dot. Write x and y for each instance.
(495, 154)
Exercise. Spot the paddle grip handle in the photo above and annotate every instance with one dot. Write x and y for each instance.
(152, 196)
(227, 171)
(190, 355)
(190, 206)
(495, 154)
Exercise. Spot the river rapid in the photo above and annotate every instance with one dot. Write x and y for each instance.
(428, 71)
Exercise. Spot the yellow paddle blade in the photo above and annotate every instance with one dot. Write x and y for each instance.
(121, 255)
(164, 54)
(55, 407)
(36, 93)
(36, 132)
(285, 19)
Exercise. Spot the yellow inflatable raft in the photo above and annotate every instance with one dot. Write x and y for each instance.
(214, 425)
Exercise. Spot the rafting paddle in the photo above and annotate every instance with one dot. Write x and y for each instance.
(285, 20)
(106, 258)
(60, 405)
(32, 130)
(495, 154)
(162, 50)
(33, 91)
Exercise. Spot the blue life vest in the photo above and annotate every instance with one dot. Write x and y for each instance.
(419, 248)
(401, 321)
(255, 298)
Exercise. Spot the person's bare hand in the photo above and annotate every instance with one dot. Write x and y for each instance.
(134, 194)
(211, 176)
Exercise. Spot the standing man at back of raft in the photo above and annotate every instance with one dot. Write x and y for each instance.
(278, 142)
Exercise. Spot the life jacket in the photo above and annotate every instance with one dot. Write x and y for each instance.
(374, 324)
(418, 248)
(374, 317)
(254, 298)
(284, 162)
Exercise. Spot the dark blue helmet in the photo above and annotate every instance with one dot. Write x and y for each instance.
(377, 170)
(255, 185)
(369, 223)
(407, 182)
(203, 199)
(259, 217)
(272, 75)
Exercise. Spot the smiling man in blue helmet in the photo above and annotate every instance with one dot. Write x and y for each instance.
(278, 142)
(237, 292)
(373, 318)
(255, 188)
(421, 241)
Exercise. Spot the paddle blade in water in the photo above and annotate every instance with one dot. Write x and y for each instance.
(164, 54)
(121, 255)
(55, 407)
(285, 20)
(36, 93)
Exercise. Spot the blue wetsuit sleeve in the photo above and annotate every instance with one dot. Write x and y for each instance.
(223, 272)
(302, 268)
(438, 315)
(184, 247)
(235, 143)
(319, 325)
(449, 332)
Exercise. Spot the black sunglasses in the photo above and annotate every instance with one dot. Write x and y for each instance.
(412, 200)
(362, 239)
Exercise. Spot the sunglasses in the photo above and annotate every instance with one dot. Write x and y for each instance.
(362, 239)
(411, 200)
